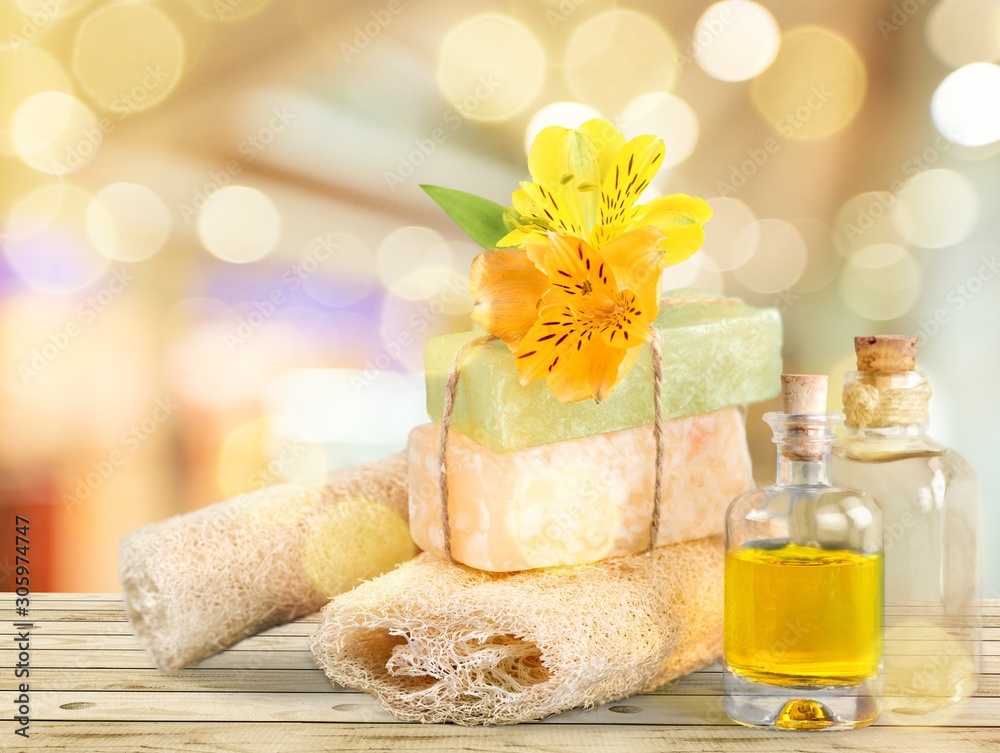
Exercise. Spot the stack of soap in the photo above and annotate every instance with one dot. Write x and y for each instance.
(533, 482)
(715, 354)
(577, 501)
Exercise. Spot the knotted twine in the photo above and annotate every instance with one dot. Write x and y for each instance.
(656, 358)
(867, 406)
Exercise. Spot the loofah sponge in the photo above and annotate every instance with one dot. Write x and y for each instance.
(197, 583)
(440, 642)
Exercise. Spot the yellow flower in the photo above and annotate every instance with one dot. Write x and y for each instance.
(585, 183)
(563, 310)
(577, 302)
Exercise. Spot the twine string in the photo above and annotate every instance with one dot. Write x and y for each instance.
(868, 406)
(450, 390)
(656, 356)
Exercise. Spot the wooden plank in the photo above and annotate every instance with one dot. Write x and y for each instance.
(357, 708)
(192, 680)
(109, 627)
(43, 641)
(74, 613)
(75, 659)
(263, 659)
(309, 680)
(187, 737)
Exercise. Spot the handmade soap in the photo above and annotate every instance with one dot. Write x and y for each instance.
(576, 501)
(715, 354)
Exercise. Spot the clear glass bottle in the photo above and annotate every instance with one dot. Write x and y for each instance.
(803, 584)
(930, 502)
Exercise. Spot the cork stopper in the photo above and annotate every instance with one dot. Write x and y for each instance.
(803, 393)
(886, 354)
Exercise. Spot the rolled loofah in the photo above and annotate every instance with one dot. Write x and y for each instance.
(440, 642)
(197, 583)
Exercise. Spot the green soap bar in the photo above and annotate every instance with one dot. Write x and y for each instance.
(715, 354)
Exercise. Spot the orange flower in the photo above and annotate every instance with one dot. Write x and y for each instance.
(563, 309)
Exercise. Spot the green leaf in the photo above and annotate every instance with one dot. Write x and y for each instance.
(481, 218)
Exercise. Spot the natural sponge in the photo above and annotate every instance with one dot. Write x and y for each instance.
(197, 583)
(439, 642)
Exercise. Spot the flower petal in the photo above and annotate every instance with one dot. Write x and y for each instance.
(628, 326)
(553, 334)
(633, 169)
(680, 218)
(506, 291)
(568, 164)
(556, 207)
(606, 140)
(578, 274)
(590, 372)
(637, 261)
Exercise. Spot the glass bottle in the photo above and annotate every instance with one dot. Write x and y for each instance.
(930, 502)
(803, 584)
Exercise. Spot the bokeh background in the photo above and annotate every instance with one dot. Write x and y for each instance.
(218, 269)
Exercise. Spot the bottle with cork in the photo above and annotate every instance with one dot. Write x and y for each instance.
(930, 502)
(803, 584)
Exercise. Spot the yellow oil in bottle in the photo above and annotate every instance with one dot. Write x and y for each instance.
(799, 615)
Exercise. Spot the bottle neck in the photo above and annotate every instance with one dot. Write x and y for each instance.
(805, 445)
(793, 470)
(886, 405)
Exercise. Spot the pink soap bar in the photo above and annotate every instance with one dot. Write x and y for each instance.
(577, 501)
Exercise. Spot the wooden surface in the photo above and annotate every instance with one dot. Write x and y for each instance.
(94, 689)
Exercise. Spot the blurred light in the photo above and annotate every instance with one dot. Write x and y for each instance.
(51, 11)
(736, 40)
(615, 56)
(966, 106)
(960, 32)
(128, 57)
(45, 241)
(936, 208)
(780, 258)
(346, 405)
(976, 153)
(666, 116)
(697, 271)
(822, 260)
(55, 133)
(252, 457)
(338, 269)
(405, 326)
(835, 386)
(25, 71)
(863, 220)
(227, 362)
(414, 263)
(565, 114)
(733, 236)
(490, 67)
(128, 222)
(239, 224)
(456, 295)
(881, 282)
(552, 20)
(241, 456)
(815, 86)
(227, 11)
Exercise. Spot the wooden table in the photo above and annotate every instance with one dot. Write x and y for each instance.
(92, 688)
